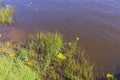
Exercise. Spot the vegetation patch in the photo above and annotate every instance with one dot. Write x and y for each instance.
(7, 15)
(45, 56)
(11, 69)
(54, 59)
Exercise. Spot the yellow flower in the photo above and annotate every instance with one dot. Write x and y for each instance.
(29, 63)
(61, 56)
(13, 55)
(109, 75)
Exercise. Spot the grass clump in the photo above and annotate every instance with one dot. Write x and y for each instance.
(6, 15)
(54, 59)
(11, 69)
(46, 55)
(45, 43)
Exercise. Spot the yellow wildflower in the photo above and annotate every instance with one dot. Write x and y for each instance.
(29, 63)
(61, 56)
(109, 75)
(13, 55)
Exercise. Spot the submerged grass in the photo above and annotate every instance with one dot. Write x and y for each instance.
(6, 15)
(45, 56)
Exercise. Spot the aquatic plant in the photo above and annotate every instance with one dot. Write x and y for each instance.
(7, 15)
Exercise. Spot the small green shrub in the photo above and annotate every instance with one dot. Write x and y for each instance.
(6, 15)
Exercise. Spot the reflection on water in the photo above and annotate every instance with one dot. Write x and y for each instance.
(97, 22)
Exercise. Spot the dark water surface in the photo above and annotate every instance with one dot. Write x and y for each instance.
(96, 22)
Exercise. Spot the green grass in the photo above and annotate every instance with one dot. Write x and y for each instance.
(6, 15)
(11, 69)
(56, 59)
(44, 43)
(45, 56)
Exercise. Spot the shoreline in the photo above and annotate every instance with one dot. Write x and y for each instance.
(13, 34)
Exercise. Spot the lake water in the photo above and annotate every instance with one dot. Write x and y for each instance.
(96, 22)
